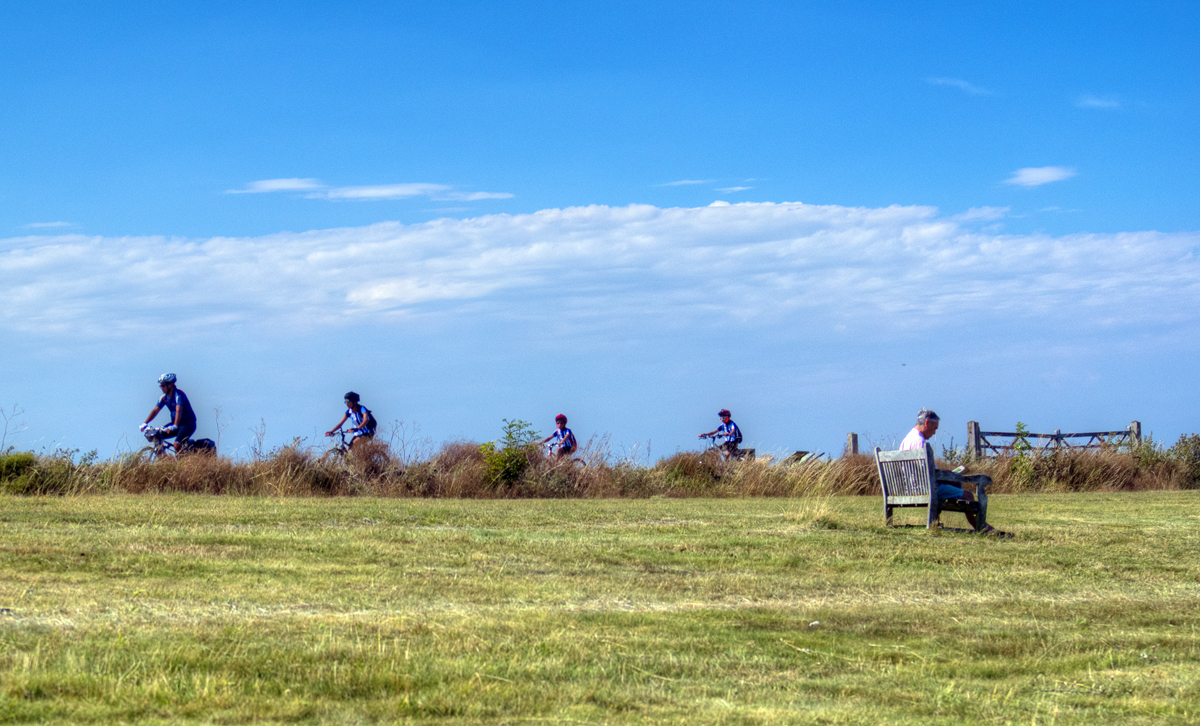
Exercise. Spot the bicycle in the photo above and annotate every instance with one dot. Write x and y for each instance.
(159, 449)
(551, 453)
(737, 455)
(340, 448)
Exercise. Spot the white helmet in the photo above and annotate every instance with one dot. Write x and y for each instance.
(166, 378)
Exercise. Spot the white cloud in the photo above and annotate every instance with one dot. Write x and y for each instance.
(960, 84)
(1110, 103)
(48, 225)
(1037, 176)
(731, 190)
(687, 182)
(880, 269)
(473, 196)
(277, 185)
(317, 190)
(384, 191)
(982, 214)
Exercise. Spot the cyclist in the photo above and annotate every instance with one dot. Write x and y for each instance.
(183, 420)
(728, 431)
(364, 420)
(562, 441)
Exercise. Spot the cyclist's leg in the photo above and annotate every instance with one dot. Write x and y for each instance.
(360, 435)
(183, 434)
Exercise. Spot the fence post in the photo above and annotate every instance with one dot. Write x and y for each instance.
(851, 443)
(1135, 433)
(974, 445)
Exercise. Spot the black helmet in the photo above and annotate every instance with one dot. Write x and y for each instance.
(724, 412)
(352, 397)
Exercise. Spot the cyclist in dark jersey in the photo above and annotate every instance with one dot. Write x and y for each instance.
(360, 415)
(183, 418)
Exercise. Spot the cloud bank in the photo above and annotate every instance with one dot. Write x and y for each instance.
(753, 264)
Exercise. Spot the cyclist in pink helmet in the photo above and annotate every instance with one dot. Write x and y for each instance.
(562, 441)
(728, 431)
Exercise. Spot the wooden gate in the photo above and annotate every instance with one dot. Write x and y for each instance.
(1001, 443)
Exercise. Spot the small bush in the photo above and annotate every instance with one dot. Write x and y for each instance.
(1186, 456)
(13, 465)
(691, 473)
(508, 459)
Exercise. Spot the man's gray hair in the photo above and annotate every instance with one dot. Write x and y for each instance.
(926, 415)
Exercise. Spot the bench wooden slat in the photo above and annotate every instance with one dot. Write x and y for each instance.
(917, 501)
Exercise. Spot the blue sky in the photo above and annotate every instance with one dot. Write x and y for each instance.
(822, 217)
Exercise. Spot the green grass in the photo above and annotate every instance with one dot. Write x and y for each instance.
(156, 609)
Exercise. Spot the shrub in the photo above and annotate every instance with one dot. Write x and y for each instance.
(517, 450)
(55, 474)
(691, 472)
(1186, 455)
(14, 464)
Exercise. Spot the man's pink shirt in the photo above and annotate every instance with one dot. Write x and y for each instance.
(914, 440)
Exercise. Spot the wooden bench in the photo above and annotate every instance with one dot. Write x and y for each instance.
(910, 479)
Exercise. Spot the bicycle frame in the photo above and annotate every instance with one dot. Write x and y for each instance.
(736, 455)
(159, 447)
(341, 446)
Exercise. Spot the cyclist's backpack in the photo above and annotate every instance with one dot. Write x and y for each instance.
(370, 419)
(203, 446)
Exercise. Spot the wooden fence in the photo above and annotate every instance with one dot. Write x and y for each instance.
(1001, 443)
(980, 443)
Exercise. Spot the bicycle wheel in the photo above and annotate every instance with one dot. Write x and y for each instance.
(153, 453)
(333, 456)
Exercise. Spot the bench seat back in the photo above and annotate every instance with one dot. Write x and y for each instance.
(908, 479)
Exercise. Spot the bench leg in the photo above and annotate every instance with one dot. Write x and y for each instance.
(935, 514)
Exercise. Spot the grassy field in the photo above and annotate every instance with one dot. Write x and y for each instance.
(156, 609)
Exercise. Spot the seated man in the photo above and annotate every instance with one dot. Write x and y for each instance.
(927, 426)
